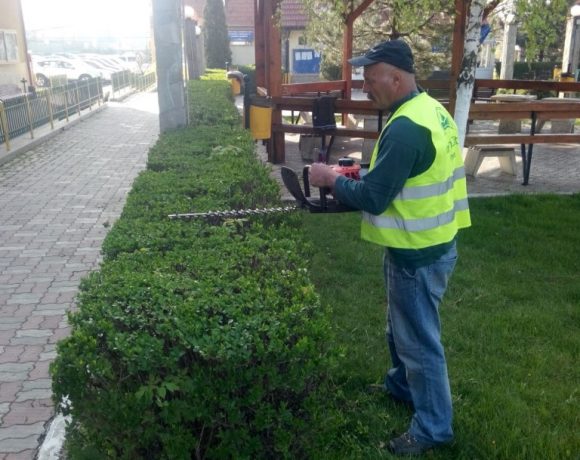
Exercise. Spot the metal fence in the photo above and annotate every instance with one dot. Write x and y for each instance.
(129, 81)
(25, 113)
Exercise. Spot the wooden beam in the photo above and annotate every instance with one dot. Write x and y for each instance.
(292, 89)
(259, 50)
(273, 50)
(347, 38)
(346, 55)
(503, 139)
(360, 9)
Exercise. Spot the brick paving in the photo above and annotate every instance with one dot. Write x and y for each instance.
(56, 203)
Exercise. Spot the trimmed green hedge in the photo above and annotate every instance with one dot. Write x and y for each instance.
(196, 340)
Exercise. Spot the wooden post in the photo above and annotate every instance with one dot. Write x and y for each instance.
(347, 44)
(260, 54)
(273, 74)
(346, 55)
(457, 50)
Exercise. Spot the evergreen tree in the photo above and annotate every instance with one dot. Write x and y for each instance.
(217, 44)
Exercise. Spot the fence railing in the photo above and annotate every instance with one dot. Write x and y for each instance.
(24, 114)
(128, 81)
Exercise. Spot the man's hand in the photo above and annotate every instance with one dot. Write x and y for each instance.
(321, 175)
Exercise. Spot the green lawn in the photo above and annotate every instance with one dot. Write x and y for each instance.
(511, 328)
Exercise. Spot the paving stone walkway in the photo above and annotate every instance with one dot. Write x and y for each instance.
(57, 202)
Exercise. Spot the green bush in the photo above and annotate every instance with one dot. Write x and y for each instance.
(531, 70)
(331, 71)
(250, 72)
(210, 103)
(196, 340)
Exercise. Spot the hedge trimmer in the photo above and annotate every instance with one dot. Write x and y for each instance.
(325, 204)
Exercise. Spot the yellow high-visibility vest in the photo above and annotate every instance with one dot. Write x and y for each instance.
(432, 206)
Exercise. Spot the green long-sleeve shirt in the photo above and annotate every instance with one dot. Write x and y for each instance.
(405, 150)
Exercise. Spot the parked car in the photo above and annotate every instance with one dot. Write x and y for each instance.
(47, 67)
(115, 60)
(101, 65)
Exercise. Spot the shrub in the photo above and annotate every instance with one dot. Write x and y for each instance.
(250, 72)
(196, 340)
(210, 103)
(531, 70)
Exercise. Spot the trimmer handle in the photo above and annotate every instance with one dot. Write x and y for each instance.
(324, 204)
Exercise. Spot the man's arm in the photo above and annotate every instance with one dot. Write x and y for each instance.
(405, 150)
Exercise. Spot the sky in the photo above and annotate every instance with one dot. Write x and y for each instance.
(116, 17)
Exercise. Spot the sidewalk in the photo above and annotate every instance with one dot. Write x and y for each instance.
(57, 201)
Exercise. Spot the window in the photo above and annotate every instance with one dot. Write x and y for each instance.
(8, 46)
(303, 55)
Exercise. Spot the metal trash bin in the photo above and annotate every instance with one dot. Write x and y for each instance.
(261, 117)
(565, 76)
(236, 79)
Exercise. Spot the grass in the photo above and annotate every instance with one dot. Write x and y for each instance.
(511, 328)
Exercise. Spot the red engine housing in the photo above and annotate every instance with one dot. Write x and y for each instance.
(347, 167)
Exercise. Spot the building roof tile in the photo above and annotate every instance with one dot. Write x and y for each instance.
(293, 14)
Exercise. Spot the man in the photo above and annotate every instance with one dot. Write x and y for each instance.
(414, 200)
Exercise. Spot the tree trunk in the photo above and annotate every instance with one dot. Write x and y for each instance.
(466, 79)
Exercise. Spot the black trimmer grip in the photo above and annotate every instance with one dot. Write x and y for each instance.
(290, 179)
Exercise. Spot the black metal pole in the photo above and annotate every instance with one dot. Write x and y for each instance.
(246, 102)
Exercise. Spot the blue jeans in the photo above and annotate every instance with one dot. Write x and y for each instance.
(419, 370)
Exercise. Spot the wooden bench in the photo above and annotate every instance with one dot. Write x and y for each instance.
(534, 112)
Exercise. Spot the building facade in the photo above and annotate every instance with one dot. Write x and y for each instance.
(15, 74)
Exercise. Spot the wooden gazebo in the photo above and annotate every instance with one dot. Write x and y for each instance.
(298, 97)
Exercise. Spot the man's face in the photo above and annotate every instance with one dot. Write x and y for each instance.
(380, 84)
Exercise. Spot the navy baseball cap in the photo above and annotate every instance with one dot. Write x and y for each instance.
(394, 52)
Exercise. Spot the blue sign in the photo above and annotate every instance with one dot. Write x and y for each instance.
(241, 35)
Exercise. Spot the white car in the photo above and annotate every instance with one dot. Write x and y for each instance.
(99, 65)
(47, 67)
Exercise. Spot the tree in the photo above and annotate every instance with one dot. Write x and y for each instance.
(466, 78)
(425, 24)
(217, 44)
(542, 23)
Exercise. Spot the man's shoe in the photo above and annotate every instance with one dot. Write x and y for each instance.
(379, 388)
(406, 444)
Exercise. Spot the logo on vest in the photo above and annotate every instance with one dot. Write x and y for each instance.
(443, 119)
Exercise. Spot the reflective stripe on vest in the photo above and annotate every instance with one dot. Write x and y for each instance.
(426, 191)
(417, 225)
(432, 206)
